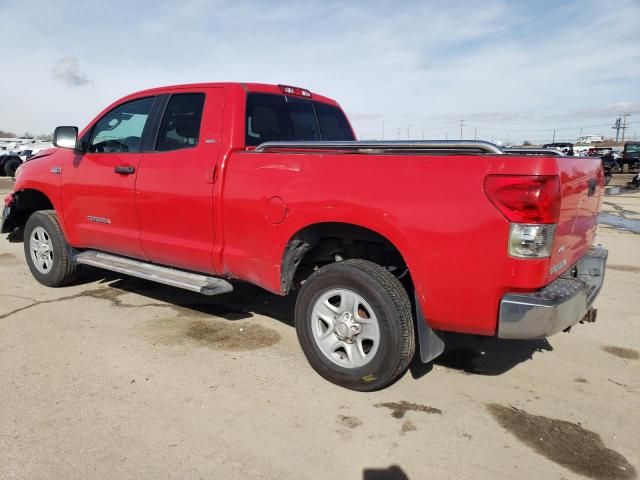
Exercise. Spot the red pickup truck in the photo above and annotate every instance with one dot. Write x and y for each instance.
(387, 244)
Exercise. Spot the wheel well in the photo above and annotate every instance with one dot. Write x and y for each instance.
(25, 203)
(323, 243)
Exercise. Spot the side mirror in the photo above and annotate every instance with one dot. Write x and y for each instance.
(65, 137)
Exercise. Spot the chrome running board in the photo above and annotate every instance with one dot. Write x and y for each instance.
(155, 273)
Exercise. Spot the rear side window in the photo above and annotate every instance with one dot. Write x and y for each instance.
(283, 118)
(333, 123)
(180, 126)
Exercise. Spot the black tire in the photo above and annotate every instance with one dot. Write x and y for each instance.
(11, 165)
(63, 270)
(390, 303)
(607, 178)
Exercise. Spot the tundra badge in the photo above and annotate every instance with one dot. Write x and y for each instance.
(91, 218)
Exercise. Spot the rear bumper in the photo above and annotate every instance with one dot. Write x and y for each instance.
(556, 307)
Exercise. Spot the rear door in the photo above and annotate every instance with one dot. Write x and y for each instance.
(97, 187)
(174, 189)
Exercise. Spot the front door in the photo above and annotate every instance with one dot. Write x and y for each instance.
(174, 189)
(97, 187)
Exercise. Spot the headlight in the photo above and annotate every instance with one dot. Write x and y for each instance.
(531, 240)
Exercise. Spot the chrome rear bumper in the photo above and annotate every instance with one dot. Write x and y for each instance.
(556, 307)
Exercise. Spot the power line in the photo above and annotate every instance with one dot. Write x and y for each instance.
(624, 124)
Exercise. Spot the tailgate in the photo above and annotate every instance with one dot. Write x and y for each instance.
(582, 188)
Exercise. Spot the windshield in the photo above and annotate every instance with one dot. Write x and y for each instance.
(279, 117)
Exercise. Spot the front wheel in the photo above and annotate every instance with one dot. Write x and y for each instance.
(46, 250)
(354, 324)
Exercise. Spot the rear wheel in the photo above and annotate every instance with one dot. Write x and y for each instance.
(46, 250)
(354, 324)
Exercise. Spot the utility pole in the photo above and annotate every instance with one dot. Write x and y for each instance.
(624, 124)
(399, 133)
(554, 136)
(461, 125)
(616, 127)
(383, 129)
(408, 132)
(475, 133)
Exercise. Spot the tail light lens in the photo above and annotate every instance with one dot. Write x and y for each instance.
(531, 241)
(532, 206)
(525, 198)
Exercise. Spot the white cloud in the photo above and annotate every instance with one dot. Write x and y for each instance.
(68, 70)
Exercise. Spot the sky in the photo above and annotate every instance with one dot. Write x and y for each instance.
(512, 70)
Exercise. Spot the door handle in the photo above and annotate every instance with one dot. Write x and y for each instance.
(125, 169)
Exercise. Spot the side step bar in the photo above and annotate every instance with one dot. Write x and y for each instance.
(155, 273)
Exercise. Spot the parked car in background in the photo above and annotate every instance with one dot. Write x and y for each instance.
(564, 147)
(609, 159)
(590, 139)
(28, 153)
(25, 154)
(631, 154)
(9, 163)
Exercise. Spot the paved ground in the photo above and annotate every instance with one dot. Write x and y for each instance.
(117, 378)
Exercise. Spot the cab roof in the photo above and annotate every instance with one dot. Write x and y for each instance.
(247, 87)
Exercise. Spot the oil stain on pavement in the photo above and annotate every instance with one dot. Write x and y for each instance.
(227, 335)
(349, 421)
(9, 259)
(564, 443)
(624, 268)
(626, 353)
(407, 426)
(398, 409)
(186, 325)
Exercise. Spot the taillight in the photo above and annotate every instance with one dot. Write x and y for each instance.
(525, 198)
(532, 206)
(300, 92)
(528, 240)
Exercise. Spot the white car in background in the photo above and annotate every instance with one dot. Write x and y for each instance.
(11, 160)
